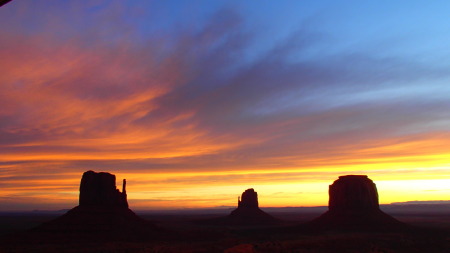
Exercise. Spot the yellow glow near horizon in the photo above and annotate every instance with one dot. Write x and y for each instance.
(412, 190)
(172, 190)
(275, 187)
(60, 121)
(312, 192)
(282, 195)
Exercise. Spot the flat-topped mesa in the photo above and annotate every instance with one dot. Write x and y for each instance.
(99, 189)
(249, 199)
(353, 193)
(353, 206)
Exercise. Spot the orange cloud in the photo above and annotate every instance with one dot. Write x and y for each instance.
(189, 123)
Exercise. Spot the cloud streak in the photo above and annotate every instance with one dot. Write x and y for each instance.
(195, 102)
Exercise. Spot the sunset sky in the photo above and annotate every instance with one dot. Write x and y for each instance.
(195, 101)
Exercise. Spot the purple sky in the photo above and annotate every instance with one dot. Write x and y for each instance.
(221, 92)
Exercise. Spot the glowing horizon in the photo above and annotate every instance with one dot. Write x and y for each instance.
(195, 107)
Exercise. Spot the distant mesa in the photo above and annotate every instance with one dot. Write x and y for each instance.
(247, 212)
(102, 214)
(353, 205)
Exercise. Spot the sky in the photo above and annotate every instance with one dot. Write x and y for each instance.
(195, 101)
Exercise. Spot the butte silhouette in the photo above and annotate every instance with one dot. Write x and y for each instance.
(246, 214)
(102, 214)
(3, 2)
(353, 205)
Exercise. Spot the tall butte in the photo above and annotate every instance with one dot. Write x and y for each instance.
(102, 214)
(353, 205)
(248, 212)
(99, 189)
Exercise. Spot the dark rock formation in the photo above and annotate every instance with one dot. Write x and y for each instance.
(249, 199)
(246, 214)
(3, 2)
(353, 193)
(99, 189)
(353, 205)
(102, 215)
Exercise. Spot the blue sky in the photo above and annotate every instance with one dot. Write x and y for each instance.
(207, 94)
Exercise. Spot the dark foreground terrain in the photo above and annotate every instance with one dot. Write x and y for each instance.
(429, 232)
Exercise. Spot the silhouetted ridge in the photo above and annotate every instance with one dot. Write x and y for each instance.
(353, 205)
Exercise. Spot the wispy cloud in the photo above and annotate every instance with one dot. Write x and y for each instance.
(98, 97)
